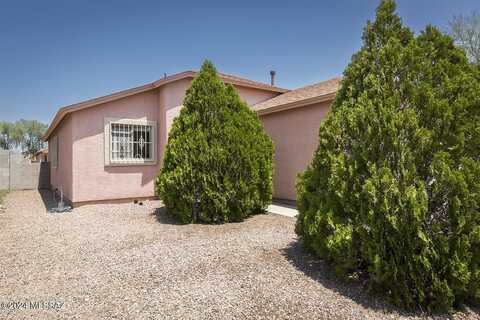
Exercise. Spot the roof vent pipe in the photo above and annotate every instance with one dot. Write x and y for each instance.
(272, 77)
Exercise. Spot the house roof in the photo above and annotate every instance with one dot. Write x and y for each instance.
(318, 92)
(64, 111)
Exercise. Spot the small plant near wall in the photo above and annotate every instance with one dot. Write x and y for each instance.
(218, 161)
(3, 193)
(393, 191)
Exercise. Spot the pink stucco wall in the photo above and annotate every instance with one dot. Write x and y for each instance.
(295, 135)
(170, 97)
(61, 176)
(253, 96)
(92, 179)
(85, 177)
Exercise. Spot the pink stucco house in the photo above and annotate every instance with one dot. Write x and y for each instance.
(110, 148)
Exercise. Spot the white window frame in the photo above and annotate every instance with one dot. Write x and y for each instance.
(107, 141)
(53, 151)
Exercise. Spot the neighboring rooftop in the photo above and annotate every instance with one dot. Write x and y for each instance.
(318, 92)
(62, 112)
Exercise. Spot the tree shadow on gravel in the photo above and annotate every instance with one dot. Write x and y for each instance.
(475, 307)
(322, 272)
(162, 216)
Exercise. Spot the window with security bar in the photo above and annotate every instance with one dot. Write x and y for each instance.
(131, 142)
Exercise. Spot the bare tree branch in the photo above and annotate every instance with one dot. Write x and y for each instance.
(465, 29)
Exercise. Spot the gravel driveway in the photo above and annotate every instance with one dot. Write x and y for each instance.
(128, 261)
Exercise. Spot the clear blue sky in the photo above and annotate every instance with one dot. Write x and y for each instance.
(55, 53)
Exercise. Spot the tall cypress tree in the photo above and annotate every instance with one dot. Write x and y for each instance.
(393, 192)
(218, 161)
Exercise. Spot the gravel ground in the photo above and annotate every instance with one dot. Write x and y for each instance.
(129, 261)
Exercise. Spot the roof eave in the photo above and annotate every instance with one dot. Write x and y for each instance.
(254, 86)
(192, 74)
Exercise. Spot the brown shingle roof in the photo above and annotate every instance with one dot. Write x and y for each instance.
(301, 96)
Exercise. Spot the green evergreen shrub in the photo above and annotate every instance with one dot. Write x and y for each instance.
(218, 161)
(393, 191)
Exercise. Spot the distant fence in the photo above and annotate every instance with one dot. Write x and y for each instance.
(18, 173)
